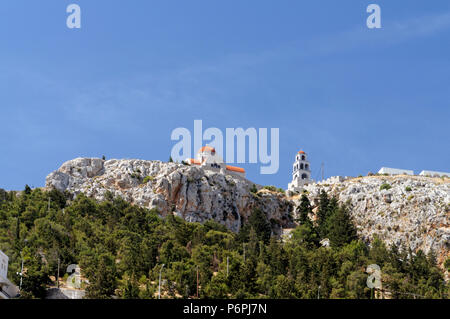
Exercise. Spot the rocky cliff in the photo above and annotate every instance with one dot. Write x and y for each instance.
(411, 210)
(190, 192)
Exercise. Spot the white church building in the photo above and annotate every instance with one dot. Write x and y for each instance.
(208, 158)
(301, 172)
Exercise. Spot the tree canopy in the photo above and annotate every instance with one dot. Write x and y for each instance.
(120, 249)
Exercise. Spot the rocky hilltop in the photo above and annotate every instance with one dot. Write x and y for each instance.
(190, 192)
(409, 210)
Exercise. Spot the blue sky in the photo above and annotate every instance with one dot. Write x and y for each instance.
(353, 98)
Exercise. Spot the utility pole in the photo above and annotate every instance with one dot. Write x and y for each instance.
(159, 289)
(197, 282)
(21, 273)
(318, 293)
(21, 276)
(57, 277)
(21, 269)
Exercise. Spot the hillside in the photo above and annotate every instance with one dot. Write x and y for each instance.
(116, 236)
(411, 211)
(190, 192)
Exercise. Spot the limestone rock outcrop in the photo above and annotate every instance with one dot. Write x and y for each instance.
(409, 210)
(413, 211)
(191, 192)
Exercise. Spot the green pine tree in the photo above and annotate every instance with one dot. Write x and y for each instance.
(303, 211)
(322, 213)
(341, 229)
(103, 278)
(258, 221)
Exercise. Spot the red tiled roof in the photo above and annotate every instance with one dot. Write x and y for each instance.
(207, 148)
(194, 161)
(301, 152)
(235, 169)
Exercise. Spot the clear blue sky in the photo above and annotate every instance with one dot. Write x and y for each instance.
(354, 98)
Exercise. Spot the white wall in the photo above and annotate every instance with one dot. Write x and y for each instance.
(3, 265)
(434, 174)
(395, 171)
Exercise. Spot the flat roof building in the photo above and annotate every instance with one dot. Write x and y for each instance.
(395, 171)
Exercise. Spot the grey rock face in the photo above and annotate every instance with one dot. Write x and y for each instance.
(415, 211)
(190, 192)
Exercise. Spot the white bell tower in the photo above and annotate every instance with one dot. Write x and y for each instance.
(301, 172)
